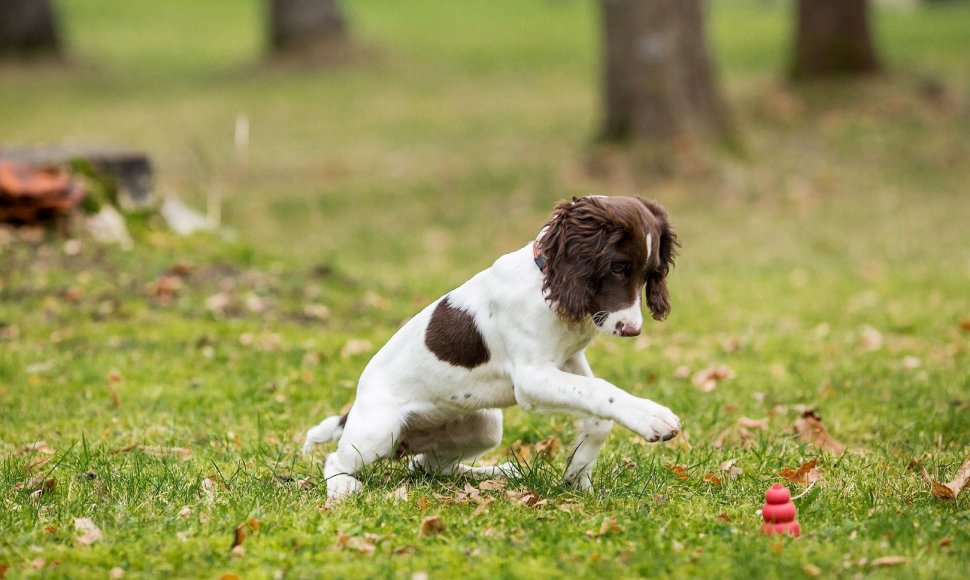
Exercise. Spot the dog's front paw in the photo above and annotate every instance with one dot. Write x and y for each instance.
(655, 423)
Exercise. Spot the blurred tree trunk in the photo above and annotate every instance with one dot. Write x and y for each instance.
(28, 27)
(307, 27)
(833, 39)
(658, 80)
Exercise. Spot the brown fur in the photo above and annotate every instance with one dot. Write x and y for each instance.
(454, 338)
(586, 238)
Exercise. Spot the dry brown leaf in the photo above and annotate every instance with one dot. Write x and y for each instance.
(548, 447)
(965, 324)
(707, 379)
(730, 469)
(680, 470)
(482, 506)
(399, 494)
(712, 479)
(114, 379)
(38, 483)
(497, 484)
(522, 451)
(753, 423)
(183, 453)
(810, 430)
(681, 442)
(811, 570)
(431, 526)
(91, 532)
(526, 497)
(239, 535)
(185, 512)
(805, 474)
(36, 463)
(40, 446)
(723, 517)
(358, 544)
(608, 526)
(229, 576)
(468, 493)
(890, 561)
(952, 489)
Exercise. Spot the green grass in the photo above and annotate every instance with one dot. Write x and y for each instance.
(376, 187)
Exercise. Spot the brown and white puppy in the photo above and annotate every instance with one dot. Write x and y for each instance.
(515, 333)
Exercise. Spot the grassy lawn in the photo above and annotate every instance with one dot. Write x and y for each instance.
(827, 264)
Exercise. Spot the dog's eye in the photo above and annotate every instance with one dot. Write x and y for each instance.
(619, 267)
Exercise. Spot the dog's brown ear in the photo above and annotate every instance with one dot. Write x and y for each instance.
(657, 294)
(575, 244)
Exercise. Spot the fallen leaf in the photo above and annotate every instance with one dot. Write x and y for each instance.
(723, 517)
(609, 525)
(40, 446)
(497, 484)
(183, 453)
(730, 469)
(712, 479)
(526, 497)
(114, 379)
(548, 447)
(952, 489)
(965, 324)
(185, 512)
(116, 573)
(805, 474)
(239, 536)
(468, 493)
(811, 570)
(38, 483)
(680, 470)
(91, 532)
(36, 463)
(707, 379)
(431, 526)
(753, 423)
(810, 430)
(482, 506)
(229, 576)
(238, 551)
(890, 561)
(358, 544)
(399, 494)
(522, 451)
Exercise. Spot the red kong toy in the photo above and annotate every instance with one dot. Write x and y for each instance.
(779, 512)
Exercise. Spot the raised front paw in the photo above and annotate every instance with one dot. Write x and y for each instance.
(654, 423)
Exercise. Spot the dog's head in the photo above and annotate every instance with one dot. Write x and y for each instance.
(600, 252)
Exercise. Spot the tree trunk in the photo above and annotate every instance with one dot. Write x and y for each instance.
(659, 83)
(27, 27)
(833, 39)
(306, 26)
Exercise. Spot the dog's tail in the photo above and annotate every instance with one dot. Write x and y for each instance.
(329, 429)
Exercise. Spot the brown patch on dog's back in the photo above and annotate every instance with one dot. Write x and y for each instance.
(454, 338)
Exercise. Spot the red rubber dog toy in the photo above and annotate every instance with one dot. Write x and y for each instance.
(779, 513)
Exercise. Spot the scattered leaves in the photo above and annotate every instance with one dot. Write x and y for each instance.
(497, 484)
(810, 430)
(91, 532)
(430, 526)
(525, 496)
(805, 474)
(753, 423)
(952, 489)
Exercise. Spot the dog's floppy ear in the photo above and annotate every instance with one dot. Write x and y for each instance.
(575, 243)
(657, 294)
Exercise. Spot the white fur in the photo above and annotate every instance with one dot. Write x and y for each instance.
(649, 245)
(449, 414)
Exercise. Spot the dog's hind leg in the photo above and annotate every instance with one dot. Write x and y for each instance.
(372, 432)
(442, 450)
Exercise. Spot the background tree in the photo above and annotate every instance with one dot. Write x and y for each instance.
(658, 79)
(833, 39)
(28, 27)
(307, 27)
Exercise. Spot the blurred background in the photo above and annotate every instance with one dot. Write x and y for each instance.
(400, 140)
